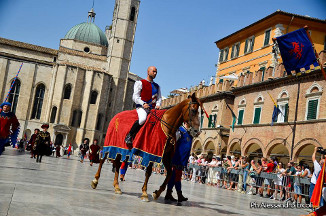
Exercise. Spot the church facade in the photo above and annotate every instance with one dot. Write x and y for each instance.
(78, 88)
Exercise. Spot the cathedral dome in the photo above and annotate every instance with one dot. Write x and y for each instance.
(87, 32)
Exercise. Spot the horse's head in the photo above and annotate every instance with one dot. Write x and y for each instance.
(191, 114)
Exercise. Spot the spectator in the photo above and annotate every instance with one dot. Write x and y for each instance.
(314, 176)
(289, 179)
(278, 182)
(211, 173)
(269, 169)
(297, 187)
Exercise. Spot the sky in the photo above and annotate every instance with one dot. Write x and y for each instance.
(176, 36)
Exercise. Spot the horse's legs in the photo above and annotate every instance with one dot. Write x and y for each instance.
(98, 173)
(168, 167)
(117, 164)
(144, 196)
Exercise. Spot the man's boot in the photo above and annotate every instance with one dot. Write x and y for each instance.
(132, 134)
(37, 159)
(168, 195)
(181, 197)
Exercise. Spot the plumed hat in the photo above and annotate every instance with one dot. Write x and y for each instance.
(45, 126)
(5, 103)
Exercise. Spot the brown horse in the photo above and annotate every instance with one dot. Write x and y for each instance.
(186, 111)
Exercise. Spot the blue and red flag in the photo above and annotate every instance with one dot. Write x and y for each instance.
(297, 51)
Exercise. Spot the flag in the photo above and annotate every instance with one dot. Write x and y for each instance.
(276, 110)
(233, 116)
(296, 51)
(317, 192)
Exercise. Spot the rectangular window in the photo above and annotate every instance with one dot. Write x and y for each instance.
(267, 37)
(201, 120)
(214, 121)
(257, 115)
(240, 117)
(284, 108)
(312, 109)
(235, 50)
(249, 46)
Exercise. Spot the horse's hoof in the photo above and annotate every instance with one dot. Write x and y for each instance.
(144, 198)
(94, 183)
(118, 191)
(155, 197)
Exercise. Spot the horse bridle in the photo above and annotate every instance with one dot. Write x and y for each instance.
(191, 130)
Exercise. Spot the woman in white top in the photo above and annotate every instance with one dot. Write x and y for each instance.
(278, 182)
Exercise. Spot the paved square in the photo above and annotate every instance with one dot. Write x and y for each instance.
(61, 186)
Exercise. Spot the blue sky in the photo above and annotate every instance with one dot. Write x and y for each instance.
(177, 36)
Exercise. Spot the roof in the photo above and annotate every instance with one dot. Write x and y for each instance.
(271, 15)
(28, 46)
(87, 32)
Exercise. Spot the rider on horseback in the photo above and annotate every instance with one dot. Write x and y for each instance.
(147, 96)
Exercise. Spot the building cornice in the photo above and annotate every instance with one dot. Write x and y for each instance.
(65, 63)
(25, 59)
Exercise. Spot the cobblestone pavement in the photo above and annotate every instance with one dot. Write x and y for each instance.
(61, 186)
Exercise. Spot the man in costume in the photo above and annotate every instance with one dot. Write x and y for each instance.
(147, 96)
(94, 151)
(179, 161)
(83, 149)
(9, 126)
(42, 143)
(31, 142)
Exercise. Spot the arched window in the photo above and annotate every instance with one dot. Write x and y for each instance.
(67, 92)
(53, 114)
(76, 118)
(313, 95)
(132, 14)
(93, 97)
(38, 101)
(99, 121)
(13, 96)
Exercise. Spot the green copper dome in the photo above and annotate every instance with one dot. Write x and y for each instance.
(87, 32)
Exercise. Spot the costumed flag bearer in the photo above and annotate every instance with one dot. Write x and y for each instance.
(179, 161)
(9, 126)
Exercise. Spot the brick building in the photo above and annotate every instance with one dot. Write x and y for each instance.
(249, 69)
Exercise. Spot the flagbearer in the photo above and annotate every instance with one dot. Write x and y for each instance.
(8, 123)
(179, 161)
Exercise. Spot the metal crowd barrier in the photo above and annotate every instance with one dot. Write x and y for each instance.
(291, 186)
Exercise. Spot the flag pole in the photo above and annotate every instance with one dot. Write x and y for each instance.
(295, 118)
(316, 54)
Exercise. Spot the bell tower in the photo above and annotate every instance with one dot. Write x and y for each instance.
(121, 39)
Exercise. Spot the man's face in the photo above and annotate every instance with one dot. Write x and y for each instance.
(6, 108)
(35, 131)
(152, 72)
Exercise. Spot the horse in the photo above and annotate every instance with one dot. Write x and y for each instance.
(172, 119)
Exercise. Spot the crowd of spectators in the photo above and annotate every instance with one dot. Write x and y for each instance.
(265, 177)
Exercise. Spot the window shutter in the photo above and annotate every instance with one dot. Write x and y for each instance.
(267, 36)
(221, 56)
(226, 53)
(210, 121)
(232, 51)
(286, 114)
(263, 73)
(214, 121)
(252, 43)
(201, 120)
(246, 46)
(240, 117)
(312, 109)
(257, 115)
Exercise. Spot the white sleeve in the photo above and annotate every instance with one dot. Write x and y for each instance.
(317, 167)
(137, 90)
(159, 97)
